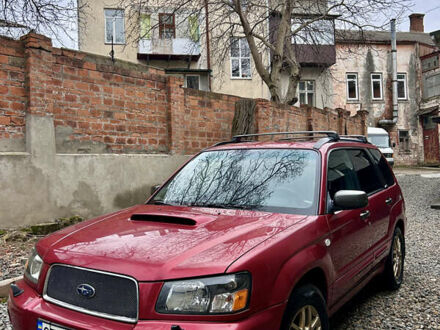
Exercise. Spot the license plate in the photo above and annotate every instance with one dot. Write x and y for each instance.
(46, 325)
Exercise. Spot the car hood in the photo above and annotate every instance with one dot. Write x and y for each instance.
(166, 242)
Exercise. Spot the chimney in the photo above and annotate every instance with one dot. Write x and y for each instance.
(416, 23)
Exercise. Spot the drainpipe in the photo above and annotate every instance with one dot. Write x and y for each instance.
(384, 122)
(208, 50)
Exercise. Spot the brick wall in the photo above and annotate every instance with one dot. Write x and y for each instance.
(12, 92)
(99, 106)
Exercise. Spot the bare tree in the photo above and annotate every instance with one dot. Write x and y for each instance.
(57, 18)
(273, 30)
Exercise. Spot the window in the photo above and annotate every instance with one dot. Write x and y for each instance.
(352, 86)
(381, 162)
(340, 174)
(369, 180)
(114, 26)
(321, 32)
(194, 32)
(167, 26)
(376, 86)
(307, 92)
(401, 86)
(145, 26)
(192, 82)
(240, 58)
(404, 140)
(268, 180)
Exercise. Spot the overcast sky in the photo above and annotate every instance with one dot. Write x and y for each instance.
(431, 8)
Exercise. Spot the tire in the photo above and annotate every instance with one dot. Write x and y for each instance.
(303, 308)
(393, 273)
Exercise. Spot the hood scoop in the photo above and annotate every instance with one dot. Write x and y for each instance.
(163, 219)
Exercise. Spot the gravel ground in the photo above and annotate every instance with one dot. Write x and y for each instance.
(416, 305)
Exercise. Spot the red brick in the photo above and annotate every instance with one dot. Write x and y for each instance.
(5, 120)
(4, 90)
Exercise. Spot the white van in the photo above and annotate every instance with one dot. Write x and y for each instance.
(380, 138)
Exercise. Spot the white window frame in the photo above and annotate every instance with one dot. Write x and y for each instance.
(405, 85)
(356, 80)
(239, 58)
(113, 26)
(372, 86)
(192, 75)
(307, 92)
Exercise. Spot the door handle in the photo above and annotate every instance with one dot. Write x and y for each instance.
(365, 215)
(389, 201)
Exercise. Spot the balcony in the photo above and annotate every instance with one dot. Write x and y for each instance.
(169, 49)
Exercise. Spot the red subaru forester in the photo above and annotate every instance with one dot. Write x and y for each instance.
(246, 235)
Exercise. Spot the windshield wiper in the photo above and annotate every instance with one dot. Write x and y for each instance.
(226, 206)
(160, 202)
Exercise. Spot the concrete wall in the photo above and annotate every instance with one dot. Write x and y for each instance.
(40, 185)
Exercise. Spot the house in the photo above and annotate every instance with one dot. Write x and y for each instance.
(339, 68)
(362, 78)
(428, 113)
(163, 38)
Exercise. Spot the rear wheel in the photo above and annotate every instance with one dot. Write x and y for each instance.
(395, 261)
(306, 310)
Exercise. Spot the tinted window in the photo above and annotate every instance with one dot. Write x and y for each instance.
(368, 177)
(383, 166)
(340, 174)
(274, 180)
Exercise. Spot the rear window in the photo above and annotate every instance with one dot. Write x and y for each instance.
(273, 180)
(368, 177)
(383, 166)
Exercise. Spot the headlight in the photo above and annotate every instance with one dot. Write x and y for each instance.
(211, 295)
(33, 266)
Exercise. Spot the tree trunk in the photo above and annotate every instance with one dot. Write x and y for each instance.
(244, 117)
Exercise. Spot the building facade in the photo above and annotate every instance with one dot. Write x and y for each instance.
(339, 68)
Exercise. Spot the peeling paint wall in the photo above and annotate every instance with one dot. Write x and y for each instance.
(366, 59)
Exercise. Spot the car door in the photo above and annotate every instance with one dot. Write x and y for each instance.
(376, 215)
(386, 199)
(349, 233)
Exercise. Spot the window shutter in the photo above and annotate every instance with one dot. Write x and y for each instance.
(145, 26)
(194, 28)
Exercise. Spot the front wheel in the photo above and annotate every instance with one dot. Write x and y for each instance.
(306, 310)
(395, 261)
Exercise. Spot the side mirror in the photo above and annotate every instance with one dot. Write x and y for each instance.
(154, 188)
(350, 200)
(394, 144)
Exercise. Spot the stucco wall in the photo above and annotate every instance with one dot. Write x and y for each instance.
(40, 185)
(367, 59)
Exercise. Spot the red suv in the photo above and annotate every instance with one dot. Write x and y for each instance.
(246, 235)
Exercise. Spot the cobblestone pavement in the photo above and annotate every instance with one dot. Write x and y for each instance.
(415, 306)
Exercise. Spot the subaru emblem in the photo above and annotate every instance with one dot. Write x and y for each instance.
(85, 290)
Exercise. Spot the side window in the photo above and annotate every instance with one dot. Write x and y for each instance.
(369, 179)
(341, 174)
(383, 166)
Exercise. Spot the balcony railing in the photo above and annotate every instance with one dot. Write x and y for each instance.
(176, 47)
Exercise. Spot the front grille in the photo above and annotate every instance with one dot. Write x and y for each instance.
(115, 296)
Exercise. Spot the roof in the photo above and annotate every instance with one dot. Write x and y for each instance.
(367, 36)
(376, 130)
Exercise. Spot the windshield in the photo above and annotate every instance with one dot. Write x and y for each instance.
(274, 180)
(381, 141)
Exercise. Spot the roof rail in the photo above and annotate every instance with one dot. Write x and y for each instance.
(360, 138)
(330, 134)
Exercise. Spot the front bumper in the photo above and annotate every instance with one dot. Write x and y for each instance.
(390, 161)
(25, 309)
